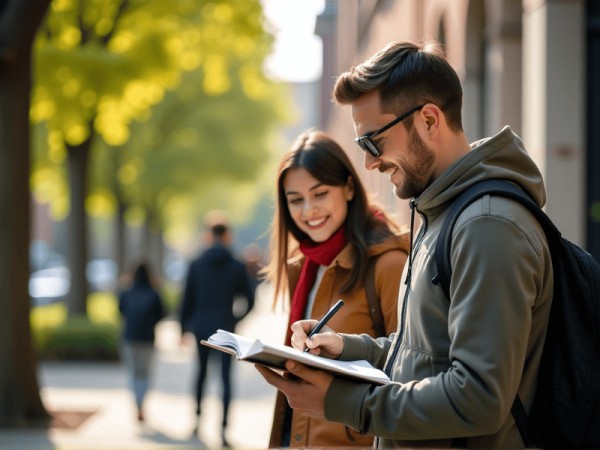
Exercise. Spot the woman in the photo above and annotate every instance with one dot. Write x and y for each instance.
(325, 237)
(142, 308)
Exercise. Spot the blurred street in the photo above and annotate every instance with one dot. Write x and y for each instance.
(101, 389)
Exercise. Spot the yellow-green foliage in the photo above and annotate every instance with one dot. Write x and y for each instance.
(175, 89)
(170, 294)
(103, 308)
(44, 320)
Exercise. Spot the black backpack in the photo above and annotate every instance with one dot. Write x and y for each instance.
(566, 408)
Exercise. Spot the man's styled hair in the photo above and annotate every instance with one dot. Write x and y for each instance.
(407, 75)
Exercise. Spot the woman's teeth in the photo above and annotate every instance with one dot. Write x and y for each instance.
(315, 223)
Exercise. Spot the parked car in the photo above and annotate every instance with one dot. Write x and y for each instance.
(49, 285)
(43, 256)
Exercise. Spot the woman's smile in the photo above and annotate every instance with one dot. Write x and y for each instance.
(316, 223)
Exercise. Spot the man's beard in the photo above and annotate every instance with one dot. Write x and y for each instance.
(416, 168)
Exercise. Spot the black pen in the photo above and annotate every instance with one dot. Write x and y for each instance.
(335, 308)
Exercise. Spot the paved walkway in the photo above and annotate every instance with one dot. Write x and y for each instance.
(102, 388)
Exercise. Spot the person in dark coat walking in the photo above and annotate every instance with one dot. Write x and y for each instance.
(142, 308)
(214, 281)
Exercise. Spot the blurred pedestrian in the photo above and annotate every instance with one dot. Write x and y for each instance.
(214, 282)
(329, 242)
(142, 308)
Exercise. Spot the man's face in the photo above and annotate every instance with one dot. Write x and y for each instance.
(405, 157)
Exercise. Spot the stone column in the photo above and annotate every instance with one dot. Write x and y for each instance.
(554, 105)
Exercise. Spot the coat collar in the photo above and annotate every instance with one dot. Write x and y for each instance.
(345, 260)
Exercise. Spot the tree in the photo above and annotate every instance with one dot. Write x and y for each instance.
(101, 64)
(19, 393)
(191, 142)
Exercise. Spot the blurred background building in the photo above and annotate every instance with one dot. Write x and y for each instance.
(530, 64)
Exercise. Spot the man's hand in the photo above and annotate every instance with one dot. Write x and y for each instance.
(307, 396)
(327, 343)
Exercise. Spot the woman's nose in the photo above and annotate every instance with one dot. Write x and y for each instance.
(308, 206)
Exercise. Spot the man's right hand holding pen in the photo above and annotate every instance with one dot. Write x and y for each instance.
(327, 343)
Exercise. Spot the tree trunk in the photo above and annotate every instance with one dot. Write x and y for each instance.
(157, 252)
(120, 244)
(120, 226)
(20, 402)
(78, 158)
(152, 241)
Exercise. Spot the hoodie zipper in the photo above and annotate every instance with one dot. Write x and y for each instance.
(414, 246)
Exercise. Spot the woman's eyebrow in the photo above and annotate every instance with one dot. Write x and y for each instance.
(316, 186)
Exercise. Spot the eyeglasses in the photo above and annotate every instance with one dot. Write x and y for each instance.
(368, 145)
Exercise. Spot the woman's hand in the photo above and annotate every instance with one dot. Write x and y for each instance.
(327, 343)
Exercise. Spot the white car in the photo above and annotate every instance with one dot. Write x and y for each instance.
(49, 285)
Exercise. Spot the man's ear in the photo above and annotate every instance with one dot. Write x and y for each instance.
(432, 115)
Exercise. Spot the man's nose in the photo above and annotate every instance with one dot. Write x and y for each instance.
(371, 162)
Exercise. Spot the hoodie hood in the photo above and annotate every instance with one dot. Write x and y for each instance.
(502, 156)
(217, 255)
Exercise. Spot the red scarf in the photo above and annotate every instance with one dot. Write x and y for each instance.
(317, 254)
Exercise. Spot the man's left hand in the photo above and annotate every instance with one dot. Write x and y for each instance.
(307, 395)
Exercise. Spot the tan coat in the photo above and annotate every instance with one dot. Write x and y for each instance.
(354, 317)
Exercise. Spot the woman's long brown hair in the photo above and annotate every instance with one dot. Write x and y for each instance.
(325, 160)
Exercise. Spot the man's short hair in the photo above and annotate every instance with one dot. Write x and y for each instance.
(407, 75)
(216, 222)
(218, 230)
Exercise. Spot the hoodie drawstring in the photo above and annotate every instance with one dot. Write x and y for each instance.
(413, 206)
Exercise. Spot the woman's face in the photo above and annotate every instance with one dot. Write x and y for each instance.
(316, 208)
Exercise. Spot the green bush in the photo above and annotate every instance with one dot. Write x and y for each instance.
(96, 337)
(78, 338)
(57, 336)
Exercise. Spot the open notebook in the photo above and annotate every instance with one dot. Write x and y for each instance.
(275, 355)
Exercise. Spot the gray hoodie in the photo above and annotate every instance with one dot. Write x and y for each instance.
(457, 365)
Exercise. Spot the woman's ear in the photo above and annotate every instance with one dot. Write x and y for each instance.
(349, 189)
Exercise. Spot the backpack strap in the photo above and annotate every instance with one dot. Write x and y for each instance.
(524, 425)
(373, 299)
(502, 188)
(443, 247)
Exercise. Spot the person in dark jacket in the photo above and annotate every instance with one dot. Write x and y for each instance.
(141, 308)
(214, 281)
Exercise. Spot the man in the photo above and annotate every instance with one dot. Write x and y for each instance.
(457, 364)
(214, 281)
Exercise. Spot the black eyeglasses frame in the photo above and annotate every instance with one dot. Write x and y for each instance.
(365, 142)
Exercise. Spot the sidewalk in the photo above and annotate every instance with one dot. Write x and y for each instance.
(101, 390)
